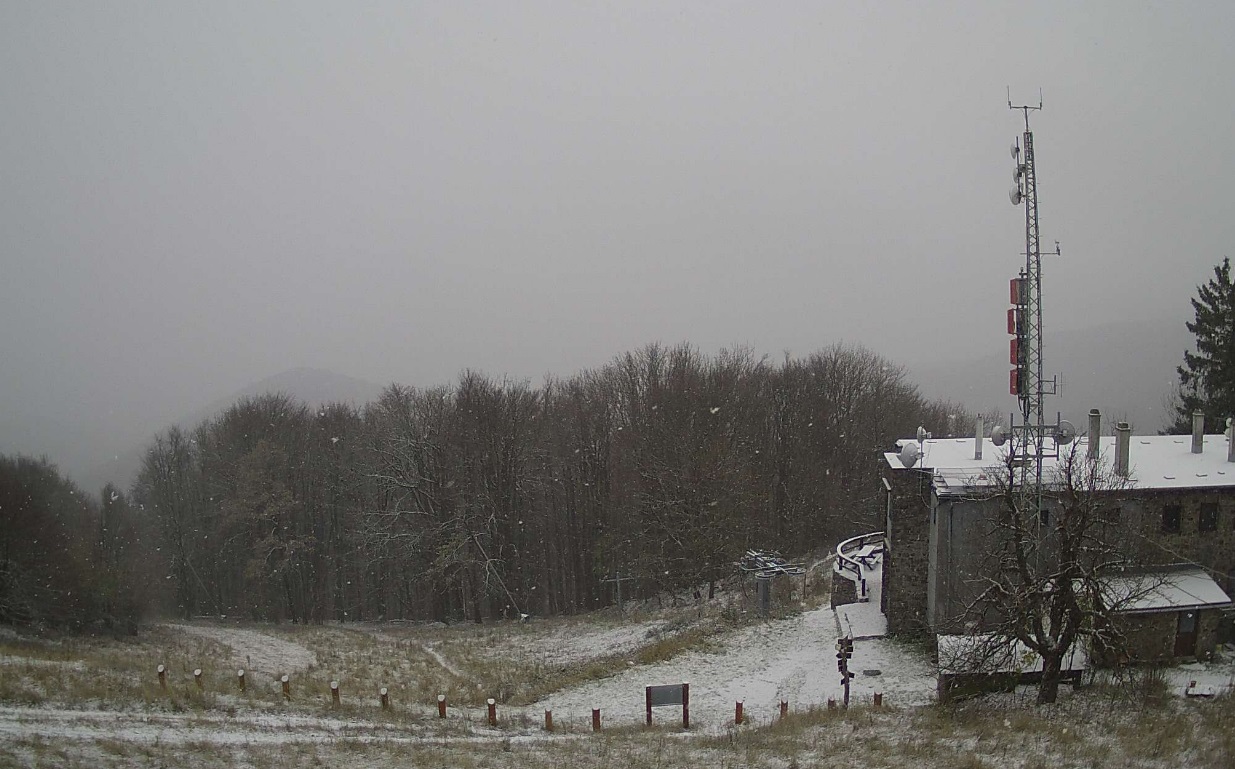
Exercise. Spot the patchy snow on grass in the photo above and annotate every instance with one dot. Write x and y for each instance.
(254, 650)
(793, 660)
(577, 642)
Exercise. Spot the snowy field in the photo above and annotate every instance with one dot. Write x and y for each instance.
(99, 703)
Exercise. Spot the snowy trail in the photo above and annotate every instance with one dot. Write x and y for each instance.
(177, 728)
(445, 663)
(253, 650)
(792, 659)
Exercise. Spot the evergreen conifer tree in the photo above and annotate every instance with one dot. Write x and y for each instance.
(1207, 377)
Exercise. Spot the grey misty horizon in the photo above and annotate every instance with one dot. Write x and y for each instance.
(196, 196)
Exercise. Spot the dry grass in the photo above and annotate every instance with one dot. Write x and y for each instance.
(1134, 722)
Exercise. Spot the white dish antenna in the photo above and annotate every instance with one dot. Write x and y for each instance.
(999, 436)
(1065, 433)
(1015, 150)
(1014, 195)
(909, 454)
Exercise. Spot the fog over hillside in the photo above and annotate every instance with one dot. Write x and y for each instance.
(196, 195)
(1125, 369)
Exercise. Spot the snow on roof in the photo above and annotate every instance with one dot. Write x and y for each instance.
(1164, 591)
(986, 653)
(1155, 461)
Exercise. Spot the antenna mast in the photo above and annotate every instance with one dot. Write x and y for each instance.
(1027, 382)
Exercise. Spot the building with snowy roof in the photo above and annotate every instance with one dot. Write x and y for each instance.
(1175, 514)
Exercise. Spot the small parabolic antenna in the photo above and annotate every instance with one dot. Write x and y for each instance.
(999, 436)
(1015, 150)
(1065, 433)
(921, 433)
(1014, 195)
(909, 454)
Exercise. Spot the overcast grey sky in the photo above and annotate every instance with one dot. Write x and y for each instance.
(197, 195)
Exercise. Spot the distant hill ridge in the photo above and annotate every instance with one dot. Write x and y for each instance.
(313, 386)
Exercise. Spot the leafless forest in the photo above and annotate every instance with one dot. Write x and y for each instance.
(486, 498)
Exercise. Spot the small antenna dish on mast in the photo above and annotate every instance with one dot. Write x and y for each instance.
(1014, 195)
(999, 436)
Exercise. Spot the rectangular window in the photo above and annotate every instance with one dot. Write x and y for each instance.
(1170, 519)
(1209, 517)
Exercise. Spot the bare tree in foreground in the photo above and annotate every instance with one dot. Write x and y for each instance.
(1052, 551)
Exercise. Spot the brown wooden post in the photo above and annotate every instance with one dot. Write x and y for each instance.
(831, 704)
(441, 706)
(596, 719)
(197, 677)
(784, 708)
(685, 706)
(287, 686)
(548, 720)
(737, 714)
(385, 698)
(240, 677)
(492, 703)
(162, 677)
(878, 699)
(648, 692)
(334, 693)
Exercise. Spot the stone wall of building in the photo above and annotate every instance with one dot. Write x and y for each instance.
(905, 562)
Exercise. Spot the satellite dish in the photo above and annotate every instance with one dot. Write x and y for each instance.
(1016, 173)
(999, 436)
(1015, 150)
(1014, 195)
(1065, 433)
(921, 433)
(909, 454)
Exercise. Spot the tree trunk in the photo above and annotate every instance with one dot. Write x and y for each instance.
(1048, 689)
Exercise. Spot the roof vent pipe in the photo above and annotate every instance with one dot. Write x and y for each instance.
(1123, 437)
(1095, 434)
(979, 429)
(1198, 431)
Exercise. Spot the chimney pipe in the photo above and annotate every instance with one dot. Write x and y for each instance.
(1095, 434)
(1198, 431)
(979, 429)
(1123, 437)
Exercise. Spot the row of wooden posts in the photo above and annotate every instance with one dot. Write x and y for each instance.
(384, 698)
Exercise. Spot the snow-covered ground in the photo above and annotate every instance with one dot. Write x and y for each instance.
(759, 665)
(792, 660)
(253, 650)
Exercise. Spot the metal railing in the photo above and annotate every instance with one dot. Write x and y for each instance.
(849, 565)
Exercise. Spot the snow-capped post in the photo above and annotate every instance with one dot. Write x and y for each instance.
(685, 706)
(878, 699)
(784, 708)
(162, 677)
(287, 686)
(737, 713)
(240, 678)
(197, 677)
(334, 693)
(831, 703)
(492, 703)
(548, 720)
(596, 719)
(441, 706)
(385, 697)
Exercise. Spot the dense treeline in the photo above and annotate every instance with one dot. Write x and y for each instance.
(67, 561)
(491, 497)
